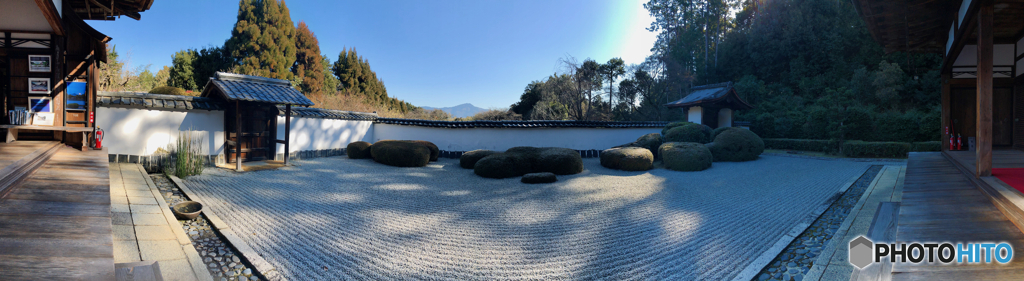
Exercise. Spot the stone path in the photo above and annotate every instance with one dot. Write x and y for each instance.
(833, 263)
(337, 218)
(142, 226)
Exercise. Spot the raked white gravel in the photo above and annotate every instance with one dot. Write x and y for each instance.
(337, 218)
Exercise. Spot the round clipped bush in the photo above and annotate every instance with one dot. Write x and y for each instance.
(736, 145)
(557, 160)
(502, 165)
(673, 125)
(685, 156)
(691, 132)
(434, 151)
(400, 153)
(358, 150)
(715, 132)
(469, 159)
(651, 142)
(544, 177)
(627, 159)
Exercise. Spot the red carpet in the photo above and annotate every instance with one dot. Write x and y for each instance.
(1012, 176)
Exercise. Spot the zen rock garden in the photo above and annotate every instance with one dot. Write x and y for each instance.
(681, 146)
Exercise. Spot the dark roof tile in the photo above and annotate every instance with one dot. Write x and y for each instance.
(154, 101)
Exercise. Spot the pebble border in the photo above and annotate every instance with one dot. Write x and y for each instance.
(798, 258)
(219, 257)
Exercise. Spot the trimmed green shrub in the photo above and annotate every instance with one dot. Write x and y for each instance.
(627, 159)
(876, 149)
(434, 151)
(544, 177)
(168, 90)
(691, 132)
(685, 156)
(802, 145)
(502, 165)
(673, 125)
(400, 153)
(557, 160)
(358, 150)
(715, 132)
(469, 159)
(736, 145)
(926, 146)
(521, 160)
(651, 142)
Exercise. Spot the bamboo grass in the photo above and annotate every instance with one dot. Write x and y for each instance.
(187, 157)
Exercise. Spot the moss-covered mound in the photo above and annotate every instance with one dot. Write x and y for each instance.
(689, 132)
(627, 159)
(358, 150)
(544, 177)
(685, 156)
(736, 145)
(557, 160)
(400, 153)
(502, 165)
(434, 151)
(469, 159)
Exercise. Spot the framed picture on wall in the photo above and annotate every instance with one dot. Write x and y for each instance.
(38, 85)
(38, 63)
(76, 96)
(39, 104)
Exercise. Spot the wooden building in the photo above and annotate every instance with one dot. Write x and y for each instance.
(250, 116)
(48, 57)
(712, 105)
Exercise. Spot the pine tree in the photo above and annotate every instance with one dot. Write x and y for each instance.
(263, 39)
(308, 62)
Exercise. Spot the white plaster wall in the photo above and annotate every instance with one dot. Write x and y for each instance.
(696, 114)
(319, 133)
(500, 139)
(136, 131)
(724, 117)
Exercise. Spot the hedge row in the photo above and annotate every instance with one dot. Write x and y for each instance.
(855, 148)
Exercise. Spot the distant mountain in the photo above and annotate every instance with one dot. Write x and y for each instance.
(462, 110)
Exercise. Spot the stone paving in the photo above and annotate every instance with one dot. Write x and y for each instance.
(220, 257)
(338, 218)
(142, 231)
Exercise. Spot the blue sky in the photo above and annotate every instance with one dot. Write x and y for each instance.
(430, 53)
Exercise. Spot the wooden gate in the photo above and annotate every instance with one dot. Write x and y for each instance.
(258, 123)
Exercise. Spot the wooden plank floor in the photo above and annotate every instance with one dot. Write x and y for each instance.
(1001, 158)
(56, 225)
(10, 152)
(941, 205)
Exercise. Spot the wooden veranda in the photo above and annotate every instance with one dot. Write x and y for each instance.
(54, 213)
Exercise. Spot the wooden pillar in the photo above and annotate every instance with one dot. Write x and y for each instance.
(238, 137)
(946, 110)
(287, 131)
(983, 140)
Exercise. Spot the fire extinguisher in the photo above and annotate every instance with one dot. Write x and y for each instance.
(951, 146)
(959, 143)
(98, 138)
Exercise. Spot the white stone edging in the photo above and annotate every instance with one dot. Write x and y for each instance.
(824, 258)
(753, 268)
(266, 269)
(194, 260)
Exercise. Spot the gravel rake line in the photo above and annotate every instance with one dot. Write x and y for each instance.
(363, 220)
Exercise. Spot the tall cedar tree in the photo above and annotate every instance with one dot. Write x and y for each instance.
(308, 62)
(263, 40)
(182, 70)
(355, 76)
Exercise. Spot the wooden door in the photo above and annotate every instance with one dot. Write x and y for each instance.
(258, 122)
(1002, 116)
